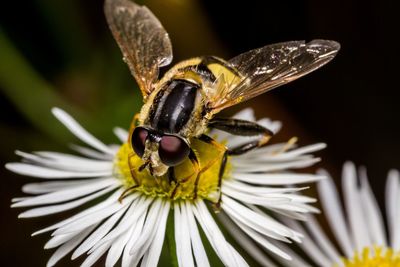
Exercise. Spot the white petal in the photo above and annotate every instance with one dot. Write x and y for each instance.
(67, 247)
(235, 141)
(292, 206)
(58, 240)
(276, 178)
(323, 242)
(93, 217)
(396, 238)
(127, 258)
(250, 189)
(238, 258)
(270, 152)
(245, 114)
(392, 207)
(296, 260)
(67, 162)
(152, 255)
(79, 131)
(91, 153)
(42, 211)
(122, 134)
(257, 237)
(110, 200)
(48, 173)
(309, 246)
(372, 212)
(117, 247)
(92, 258)
(245, 242)
(17, 199)
(67, 194)
(273, 126)
(254, 199)
(295, 235)
(301, 151)
(353, 206)
(182, 237)
(199, 252)
(296, 198)
(147, 240)
(115, 148)
(271, 149)
(98, 234)
(331, 205)
(148, 229)
(178, 234)
(58, 156)
(264, 199)
(290, 214)
(253, 165)
(137, 209)
(228, 255)
(47, 187)
(262, 223)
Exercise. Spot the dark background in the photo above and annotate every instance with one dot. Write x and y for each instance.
(351, 104)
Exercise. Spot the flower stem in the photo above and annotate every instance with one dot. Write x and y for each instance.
(171, 240)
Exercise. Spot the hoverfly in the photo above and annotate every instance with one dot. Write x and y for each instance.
(181, 105)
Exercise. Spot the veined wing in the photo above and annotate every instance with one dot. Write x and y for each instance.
(144, 42)
(268, 67)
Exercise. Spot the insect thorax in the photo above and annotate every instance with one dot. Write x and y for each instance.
(178, 105)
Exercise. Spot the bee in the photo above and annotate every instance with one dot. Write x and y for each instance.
(181, 106)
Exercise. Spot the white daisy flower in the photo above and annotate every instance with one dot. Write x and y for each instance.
(130, 225)
(362, 237)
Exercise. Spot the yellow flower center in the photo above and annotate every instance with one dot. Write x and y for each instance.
(376, 257)
(126, 166)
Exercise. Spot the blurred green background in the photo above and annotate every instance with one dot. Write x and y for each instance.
(61, 53)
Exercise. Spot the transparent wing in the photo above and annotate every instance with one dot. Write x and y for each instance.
(265, 68)
(144, 42)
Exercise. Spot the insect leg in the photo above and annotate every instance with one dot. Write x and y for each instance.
(132, 169)
(242, 128)
(217, 205)
(126, 192)
(208, 140)
(224, 151)
(171, 175)
(172, 178)
(196, 166)
(133, 175)
(236, 127)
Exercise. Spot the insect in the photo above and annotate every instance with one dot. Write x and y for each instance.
(181, 106)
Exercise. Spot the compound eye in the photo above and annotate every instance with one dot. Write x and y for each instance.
(139, 137)
(173, 150)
